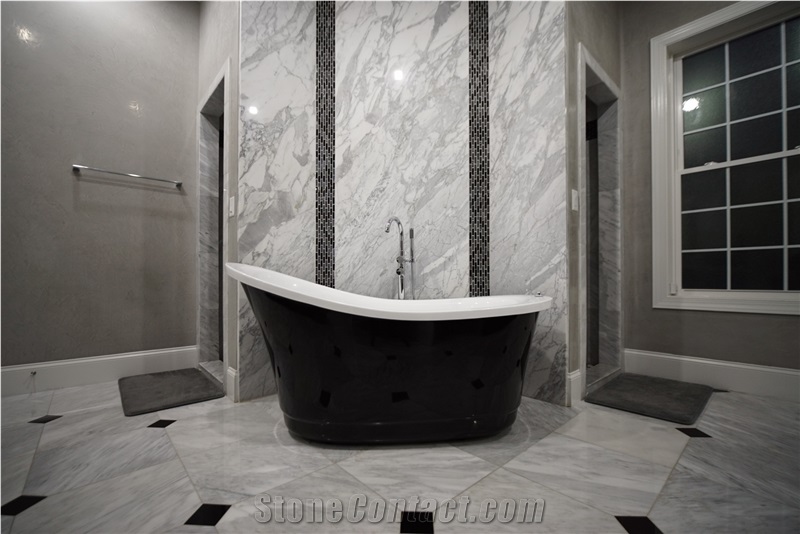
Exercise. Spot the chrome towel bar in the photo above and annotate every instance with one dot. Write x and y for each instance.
(77, 169)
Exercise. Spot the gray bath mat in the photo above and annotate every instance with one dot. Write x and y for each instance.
(671, 400)
(159, 391)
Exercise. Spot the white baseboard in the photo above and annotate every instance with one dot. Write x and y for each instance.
(18, 380)
(574, 387)
(743, 377)
(232, 384)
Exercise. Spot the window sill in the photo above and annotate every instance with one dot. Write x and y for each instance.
(728, 301)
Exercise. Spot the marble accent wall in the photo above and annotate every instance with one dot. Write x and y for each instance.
(208, 240)
(402, 145)
(609, 227)
(276, 161)
(528, 175)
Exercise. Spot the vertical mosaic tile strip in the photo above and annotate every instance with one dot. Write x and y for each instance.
(326, 138)
(478, 149)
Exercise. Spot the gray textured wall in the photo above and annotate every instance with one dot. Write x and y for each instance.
(749, 338)
(597, 26)
(93, 266)
(219, 41)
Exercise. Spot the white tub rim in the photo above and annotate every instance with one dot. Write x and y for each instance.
(328, 298)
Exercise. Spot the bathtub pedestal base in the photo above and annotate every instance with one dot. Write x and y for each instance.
(400, 431)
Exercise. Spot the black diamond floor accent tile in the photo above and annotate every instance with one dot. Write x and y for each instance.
(161, 423)
(694, 432)
(208, 514)
(45, 419)
(20, 504)
(637, 524)
(416, 523)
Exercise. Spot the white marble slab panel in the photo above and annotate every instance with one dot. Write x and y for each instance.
(561, 514)
(21, 438)
(155, 499)
(616, 483)
(24, 408)
(428, 471)
(328, 483)
(655, 441)
(276, 202)
(14, 474)
(231, 472)
(101, 458)
(92, 397)
(693, 503)
(528, 225)
(402, 145)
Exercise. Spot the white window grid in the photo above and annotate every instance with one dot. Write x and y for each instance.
(784, 154)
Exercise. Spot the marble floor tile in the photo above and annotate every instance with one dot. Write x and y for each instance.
(616, 483)
(758, 468)
(193, 529)
(20, 438)
(106, 456)
(93, 397)
(535, 420)
(154, 499)
(233, 471)
(76, 427)
(753, 421)
(198, 408)
(14, 475)
(5, 524)
(333, 452)
(655, 441)
(332, 482)
(692, 503)
(216, 428)
(429, 471)
(561, 514)
(24, 408)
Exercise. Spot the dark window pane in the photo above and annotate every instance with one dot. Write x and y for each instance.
(793, 85)
(793, 39)
(701, 147)
(759, 226)
(703, 190)
(757, 182)
(756, 95)
(757, 51)
(706, 229)
(756, 137)
(794, 269)
(705, 109)
(757, 269)
(705, 270)
(793, 129)
(704, 69)
(794, 176)
(794, 223)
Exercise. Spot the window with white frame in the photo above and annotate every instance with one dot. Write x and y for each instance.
(726, 162)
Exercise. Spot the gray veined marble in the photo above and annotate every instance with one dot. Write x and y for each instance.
(332, 482)
(535, 420)
(75, 428)
(22, 438)
(231, 472)
(82, 398)
(276, 161)
(14, 474)
(754, 446)
(561, 514)
(428, 471)
(154, 499)
(528, 175)
(402, 140)
(616, 483)
(24, 408)
(104, 457)
(690, 502)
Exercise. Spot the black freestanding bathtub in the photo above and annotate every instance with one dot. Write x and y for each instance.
(356, 369)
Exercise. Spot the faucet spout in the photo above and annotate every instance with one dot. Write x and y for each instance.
(399, 227)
